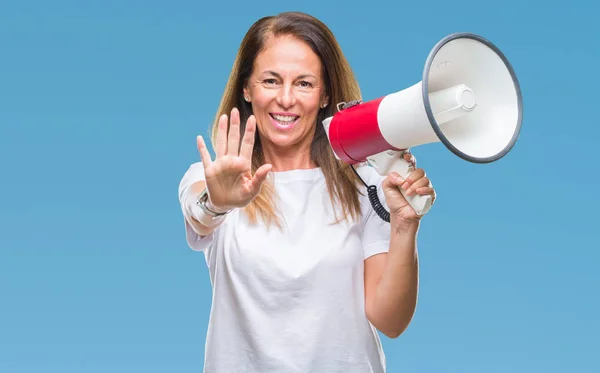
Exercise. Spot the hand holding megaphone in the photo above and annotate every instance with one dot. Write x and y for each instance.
(469, 99)
(399, 162)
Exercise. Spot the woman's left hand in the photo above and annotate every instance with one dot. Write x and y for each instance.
(416, 183)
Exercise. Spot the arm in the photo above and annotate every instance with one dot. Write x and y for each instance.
(192, 184)
(199, 220)
(391, 281)
(191, 196)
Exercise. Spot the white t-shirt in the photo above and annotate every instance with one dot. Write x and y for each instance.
(292, 300)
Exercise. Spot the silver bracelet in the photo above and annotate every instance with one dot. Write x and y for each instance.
(201, 202)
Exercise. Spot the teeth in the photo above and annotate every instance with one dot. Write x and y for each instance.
(285, 118)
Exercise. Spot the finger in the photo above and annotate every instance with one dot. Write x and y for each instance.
(204, 154)
(423, 182)
(393, 180)
(248, 140)
(221, 146)
(233, 143)
(425, 191)
(414, 176)
(410, 158)
(260, 176)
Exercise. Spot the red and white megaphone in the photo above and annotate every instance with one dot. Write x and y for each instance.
(469, 99)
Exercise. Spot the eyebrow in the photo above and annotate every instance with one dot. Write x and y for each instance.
(299, 77)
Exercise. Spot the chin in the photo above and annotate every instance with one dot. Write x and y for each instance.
(281, 140)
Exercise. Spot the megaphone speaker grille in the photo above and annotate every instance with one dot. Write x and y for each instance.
(490, 130)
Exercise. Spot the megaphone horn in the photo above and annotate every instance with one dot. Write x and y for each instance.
(469, 99)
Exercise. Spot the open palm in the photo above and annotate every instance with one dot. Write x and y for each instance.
(229, 178)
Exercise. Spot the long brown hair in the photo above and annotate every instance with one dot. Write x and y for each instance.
(340, 86)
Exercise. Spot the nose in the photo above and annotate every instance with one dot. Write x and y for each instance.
(286, 97)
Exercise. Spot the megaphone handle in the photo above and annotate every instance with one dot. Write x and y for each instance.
(421, 204)
(393, 161)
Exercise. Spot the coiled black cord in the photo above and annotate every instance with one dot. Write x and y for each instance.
(380, 210)
(376, 203)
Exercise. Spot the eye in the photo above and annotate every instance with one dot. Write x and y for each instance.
(305, 84)
(269, 81)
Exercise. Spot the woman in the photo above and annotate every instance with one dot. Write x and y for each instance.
(303, 271)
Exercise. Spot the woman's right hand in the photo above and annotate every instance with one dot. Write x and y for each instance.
(229, 178)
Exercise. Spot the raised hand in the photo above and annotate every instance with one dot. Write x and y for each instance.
(229, 178)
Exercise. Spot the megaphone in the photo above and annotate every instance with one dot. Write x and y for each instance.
(469, 99)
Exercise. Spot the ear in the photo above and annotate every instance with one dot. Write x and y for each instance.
(325, 101)
(246, 93)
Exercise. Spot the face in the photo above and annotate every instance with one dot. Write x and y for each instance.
(286, 92)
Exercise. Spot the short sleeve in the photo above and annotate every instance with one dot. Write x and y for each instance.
(375, 231)
(194, 174)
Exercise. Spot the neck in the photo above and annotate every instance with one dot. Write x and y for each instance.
(288, 158)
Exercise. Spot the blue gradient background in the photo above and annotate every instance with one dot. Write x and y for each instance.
(100, 104)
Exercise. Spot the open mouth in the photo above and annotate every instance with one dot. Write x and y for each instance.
(284, 120)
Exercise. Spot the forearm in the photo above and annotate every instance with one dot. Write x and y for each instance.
(191, 211)
(395, 299)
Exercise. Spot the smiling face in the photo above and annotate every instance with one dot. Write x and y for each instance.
(286, 92)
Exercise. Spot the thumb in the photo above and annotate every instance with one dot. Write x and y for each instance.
(260, 176)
